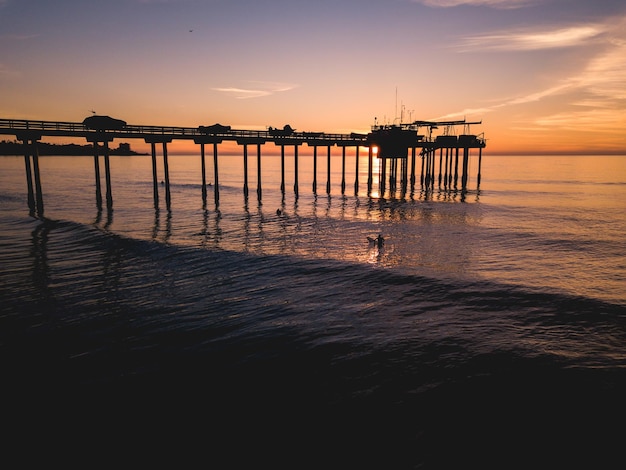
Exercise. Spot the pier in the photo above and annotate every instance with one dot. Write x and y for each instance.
(397, 147)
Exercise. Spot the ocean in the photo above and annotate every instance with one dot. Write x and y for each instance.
(489, 330)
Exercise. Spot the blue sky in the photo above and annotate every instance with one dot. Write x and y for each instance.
(542, 75)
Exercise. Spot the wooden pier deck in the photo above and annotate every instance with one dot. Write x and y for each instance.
(395, 145)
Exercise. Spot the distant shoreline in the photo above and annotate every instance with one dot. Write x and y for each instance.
(8, 148)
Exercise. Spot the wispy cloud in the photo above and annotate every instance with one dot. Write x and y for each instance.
(256, 89)
(605, 74)
(607, 120)
(595, 94)
(518, 100)
(534, 39)
(506, 4)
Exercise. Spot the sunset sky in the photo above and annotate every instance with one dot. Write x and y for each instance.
(542, 75)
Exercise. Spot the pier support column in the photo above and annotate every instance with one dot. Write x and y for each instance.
(38, 190)
(404, 166)
(450, 170)
(412, 168)
(200, 140)
(456, 168)
(465, 168)
(370, 165)
(216, 173)
(245, 171)
(295, 163)
(432, 169)
(203, 170)
(105, 139)
(282, 169)
(315, 169)
(422, 173)
(440, 165)
(153, 140)
(155, 180)
(447, 164)
(96, 165)
(356, 171)
(166, 172)
(382, 176)
(343, 169)
(328, 170)
(29, 179)
(392, 175)
(259, 191)
(31, 154)
(107, 175)
(480, 157)
(427, 170)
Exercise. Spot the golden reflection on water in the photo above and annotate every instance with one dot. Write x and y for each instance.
(535, 220)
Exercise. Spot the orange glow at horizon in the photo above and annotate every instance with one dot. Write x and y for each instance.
(549, 86)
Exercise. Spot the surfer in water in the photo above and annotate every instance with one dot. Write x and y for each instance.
(378, 241)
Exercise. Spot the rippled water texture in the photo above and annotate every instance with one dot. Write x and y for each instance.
(488, 329)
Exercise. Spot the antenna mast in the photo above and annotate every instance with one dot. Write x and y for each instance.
(395, 116)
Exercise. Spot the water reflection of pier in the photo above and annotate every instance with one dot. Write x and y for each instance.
(395, 146)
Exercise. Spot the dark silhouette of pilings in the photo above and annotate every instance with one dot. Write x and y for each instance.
(404, 168)
(38, 190)
(211, 139)
(33, 175)
(441, 166)
(166, 172)
(29, 181)
(282, 170)
(107, 174)
(259, 190)
(343, 169)
(96, 168)
(480, 158)
(450, 169)
(203, 170)
(370, 165)
(317, 144)
(245, 170)
(244, 142)
(216, 176)
(413, 152)
(383, 175)
(465, 168)
(314, 169)
(391, 141)
(328, 169)
(155, 182)
(104, 139)
(356, 172)
(153, 140)
(295, 177)
(456, 167)
(446, 168)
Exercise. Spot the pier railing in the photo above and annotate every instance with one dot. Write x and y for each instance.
(75, 129)
(395, 147)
